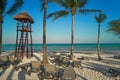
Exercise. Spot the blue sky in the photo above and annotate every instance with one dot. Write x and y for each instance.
(59, 31)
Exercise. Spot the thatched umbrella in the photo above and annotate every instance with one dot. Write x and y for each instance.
(23, 17)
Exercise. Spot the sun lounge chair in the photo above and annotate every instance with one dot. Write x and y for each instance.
(114, 71)
(116, 57)
(60, 73)
(65, 61)
(4, 62)
(84, 58)
(35, 66)
(50, 71)
(14, 61)
(77, 64)
(22, 66)
(69, 74)
(57, 60)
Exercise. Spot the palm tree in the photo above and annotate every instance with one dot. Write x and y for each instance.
(100, 18)
(3, 3)
(115, 26)
(70, 7)
(44, 7)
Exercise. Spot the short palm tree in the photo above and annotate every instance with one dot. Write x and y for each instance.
(70, 7)
(100, 18)
(115, 26)
(3, 3)
(44, 8)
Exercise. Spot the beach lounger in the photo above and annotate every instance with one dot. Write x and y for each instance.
(116, 57)
(60, 73)
(50, 71)
(69, 73)
(83, 58)
(4, 62)
(14, 61)
(57, 60)
(77, 64)
(114, 71)
(65, 61)
(35, 66)
(22, 66)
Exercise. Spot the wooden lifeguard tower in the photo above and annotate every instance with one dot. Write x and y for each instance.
(23, 31)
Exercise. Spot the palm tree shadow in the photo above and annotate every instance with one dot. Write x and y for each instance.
(21, 75)
(81, 77)
(10, 74)
(98, 67)
(2, 72)
(111, 62)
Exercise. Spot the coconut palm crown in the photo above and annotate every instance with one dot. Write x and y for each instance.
(99, 19)
(14, 8)
(115, 26)
(71, 7)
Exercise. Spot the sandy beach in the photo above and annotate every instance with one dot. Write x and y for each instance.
(92, 68)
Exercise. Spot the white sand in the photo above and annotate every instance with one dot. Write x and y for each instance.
(92, 68)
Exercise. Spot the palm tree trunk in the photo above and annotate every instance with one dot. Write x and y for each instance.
(99, 57)
(1, 22)
(72, 38)
(45, 60)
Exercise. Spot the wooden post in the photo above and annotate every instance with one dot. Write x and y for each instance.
(16, 48)
(31, 40)
(27, 40)
(22, 48)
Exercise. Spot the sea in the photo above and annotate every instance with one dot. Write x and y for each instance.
(83, 47)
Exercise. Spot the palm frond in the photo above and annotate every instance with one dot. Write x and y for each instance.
(42, 6)
(114, 26)
(70, 3)
(82, 3)
(115, 30)
(85, 11)
(61, 3)
(97, 18)
(58, 14)
(3, 4)
(115, 23)
(100, 18)
(17, 5)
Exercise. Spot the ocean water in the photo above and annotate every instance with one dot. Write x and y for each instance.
(66, 47)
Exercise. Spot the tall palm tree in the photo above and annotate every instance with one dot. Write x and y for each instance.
(100, 18)
(70, 7)
(3, 3)
(44, 8)
(115, 26)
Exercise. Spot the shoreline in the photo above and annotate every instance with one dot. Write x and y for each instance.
(80, 52)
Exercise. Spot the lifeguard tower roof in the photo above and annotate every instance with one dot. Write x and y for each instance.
(23, 17)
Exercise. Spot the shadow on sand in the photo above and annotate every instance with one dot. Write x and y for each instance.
(2, 72)
(21, 75)
(10, 74)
